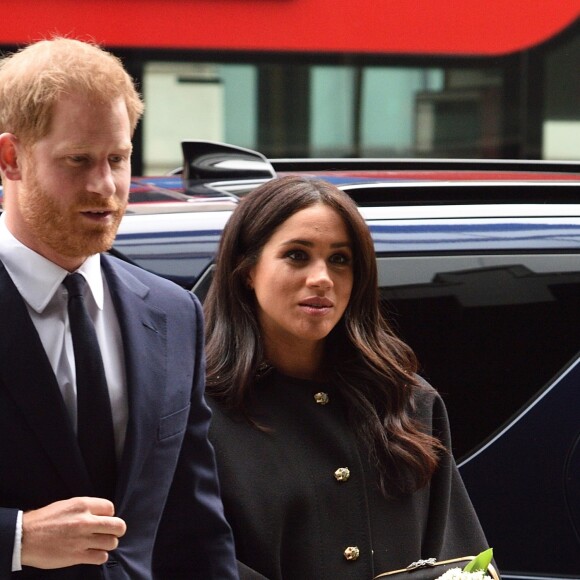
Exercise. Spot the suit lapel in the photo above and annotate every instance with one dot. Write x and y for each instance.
(143, 329)
(28, 377)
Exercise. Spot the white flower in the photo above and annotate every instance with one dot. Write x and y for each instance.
(459, 574)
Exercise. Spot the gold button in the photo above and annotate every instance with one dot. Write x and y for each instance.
(352, 553)
(342, 474)
(322, 398)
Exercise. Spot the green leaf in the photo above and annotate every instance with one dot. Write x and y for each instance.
(480, 562)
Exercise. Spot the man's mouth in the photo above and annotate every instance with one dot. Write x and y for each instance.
(100, 214)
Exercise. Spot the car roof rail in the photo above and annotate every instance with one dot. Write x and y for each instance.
(424, 164)
(463, 193)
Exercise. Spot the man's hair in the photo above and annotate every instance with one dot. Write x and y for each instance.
(33, 79)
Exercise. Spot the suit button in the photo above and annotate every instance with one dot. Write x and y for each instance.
(342, 474)
(352, 553)
(322, 398)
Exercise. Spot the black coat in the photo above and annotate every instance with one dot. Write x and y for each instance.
(294, 520)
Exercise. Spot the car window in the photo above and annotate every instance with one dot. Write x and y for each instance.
(178, 256)
(490, 331)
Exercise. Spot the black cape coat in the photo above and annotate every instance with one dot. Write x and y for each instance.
(295, 517)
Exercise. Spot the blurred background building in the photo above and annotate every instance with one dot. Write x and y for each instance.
(355, 78)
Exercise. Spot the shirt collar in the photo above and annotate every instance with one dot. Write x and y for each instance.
(36, 278)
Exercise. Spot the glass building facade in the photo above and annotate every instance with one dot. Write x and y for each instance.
(524, 105)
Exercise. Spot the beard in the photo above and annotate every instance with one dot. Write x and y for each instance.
(62, 228)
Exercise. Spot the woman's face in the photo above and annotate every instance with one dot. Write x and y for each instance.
(303, 279)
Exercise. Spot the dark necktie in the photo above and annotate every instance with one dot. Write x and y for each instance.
(94, 419)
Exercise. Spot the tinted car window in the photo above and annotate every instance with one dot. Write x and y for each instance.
(177, 256)
(490, 331)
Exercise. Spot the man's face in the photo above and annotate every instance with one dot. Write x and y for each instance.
(74, 184)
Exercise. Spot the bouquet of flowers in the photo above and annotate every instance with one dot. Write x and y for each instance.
(476, 569)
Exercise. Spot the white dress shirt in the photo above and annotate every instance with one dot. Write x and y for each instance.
(39, 282)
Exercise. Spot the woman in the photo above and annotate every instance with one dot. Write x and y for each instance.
(334, 456)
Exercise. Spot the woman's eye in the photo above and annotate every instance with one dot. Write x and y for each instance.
(296, 255)
(340, 259)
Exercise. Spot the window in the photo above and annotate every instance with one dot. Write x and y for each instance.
(489, 331)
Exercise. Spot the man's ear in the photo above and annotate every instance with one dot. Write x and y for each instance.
(9, 153)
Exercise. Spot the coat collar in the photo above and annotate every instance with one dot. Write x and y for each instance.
(143, 328)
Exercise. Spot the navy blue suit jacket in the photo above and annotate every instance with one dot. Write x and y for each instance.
(167, 489)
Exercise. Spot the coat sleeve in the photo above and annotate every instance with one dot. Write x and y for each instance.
(7, 533)
(194, 540)
(453, 527)
(247, 573)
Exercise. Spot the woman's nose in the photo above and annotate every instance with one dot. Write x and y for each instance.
(319, 276)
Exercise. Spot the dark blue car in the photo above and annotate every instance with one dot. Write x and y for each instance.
(479, 266)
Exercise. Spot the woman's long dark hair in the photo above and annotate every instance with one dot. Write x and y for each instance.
(374, 369)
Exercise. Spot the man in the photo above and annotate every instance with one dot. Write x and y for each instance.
(67, 114)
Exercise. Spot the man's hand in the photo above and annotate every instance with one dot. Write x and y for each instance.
(79, 530)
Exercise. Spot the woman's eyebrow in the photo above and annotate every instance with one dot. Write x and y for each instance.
(309, 244)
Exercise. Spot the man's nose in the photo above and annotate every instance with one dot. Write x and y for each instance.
(101, 180)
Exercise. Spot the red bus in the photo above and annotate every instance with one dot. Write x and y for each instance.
(342, 79)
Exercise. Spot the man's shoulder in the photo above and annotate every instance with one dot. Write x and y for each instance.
(131, 275)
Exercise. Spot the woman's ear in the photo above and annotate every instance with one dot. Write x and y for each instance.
(9, 157)
(250, 278)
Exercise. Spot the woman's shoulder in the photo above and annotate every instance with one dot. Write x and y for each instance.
(423, 392)
(219, 408)
(221, 414)
(428, 406)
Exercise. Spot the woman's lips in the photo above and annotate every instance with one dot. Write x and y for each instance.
(316, 306)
